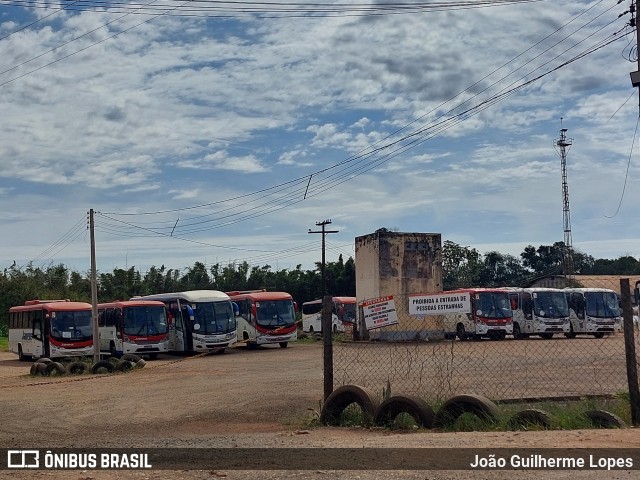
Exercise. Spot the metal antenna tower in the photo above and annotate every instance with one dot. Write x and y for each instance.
(562, 146)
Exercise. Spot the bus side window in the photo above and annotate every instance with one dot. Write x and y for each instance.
(514, 301)
(37, 329)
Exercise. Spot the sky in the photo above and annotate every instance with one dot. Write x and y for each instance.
(221, 132)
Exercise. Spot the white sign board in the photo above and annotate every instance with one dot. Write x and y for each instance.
(379, 312)
(439, 303)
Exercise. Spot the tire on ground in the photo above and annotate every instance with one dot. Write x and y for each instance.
(98, 367)
(55, 368)
(478, 405)
(344, 396)
(412, 405)
(37, 369)
(530, 416)
(44, 360)
(77, 368)
(604, 419)
(131, 357)
(140, 363)
(125, 366)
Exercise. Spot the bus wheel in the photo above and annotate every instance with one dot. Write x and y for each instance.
(103, 366)
(21, 356)
(54, 368)
(284, 344)
(414, 406)
(599, 334)
(112, 350)
(344, 396)
(462, 335)
(77, 368)
(478, 405)
(517, 333)
(570, 333)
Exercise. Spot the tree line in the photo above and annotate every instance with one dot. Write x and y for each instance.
(462, 266)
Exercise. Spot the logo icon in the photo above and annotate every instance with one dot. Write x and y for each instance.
(23, 459)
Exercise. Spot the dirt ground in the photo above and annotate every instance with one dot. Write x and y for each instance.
(262, 398)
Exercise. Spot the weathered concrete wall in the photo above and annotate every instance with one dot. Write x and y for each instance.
(392, 263)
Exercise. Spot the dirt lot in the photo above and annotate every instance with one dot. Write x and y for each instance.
(257, 399)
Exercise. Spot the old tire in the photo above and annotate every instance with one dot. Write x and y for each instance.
(55, 369)
(37, 369)
(478, 405)
(131, 357)
(412, 405)
(344, 396)
(44, 360)
(604, 419)
(77, 368)
(125, 366)
(528, 417)
(101, 366)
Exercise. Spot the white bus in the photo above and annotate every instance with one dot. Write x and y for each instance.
(133, 326)
(265, 318)
(343, 314)
(199, 320)
(593, 311)
(538, 311)
(484, 312)
(51, 329)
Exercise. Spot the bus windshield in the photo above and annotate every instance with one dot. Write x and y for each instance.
(213, 318)
(275, 313)
(550, 304)
(493, 305)
(145, 321)
(602, 304)
(67, 326)
(346, 312)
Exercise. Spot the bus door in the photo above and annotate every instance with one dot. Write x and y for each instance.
(186, 315)
(40, 335)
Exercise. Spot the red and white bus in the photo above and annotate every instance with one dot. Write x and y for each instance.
(51, 329)
(265, 318)
(343, 314)
(468, 313)
(133, 326)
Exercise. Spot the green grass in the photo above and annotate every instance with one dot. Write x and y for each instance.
(4, 344)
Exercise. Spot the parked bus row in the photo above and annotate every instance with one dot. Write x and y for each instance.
(544, 312)
(198, 321)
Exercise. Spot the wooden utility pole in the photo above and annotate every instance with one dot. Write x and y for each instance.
(323, 232)
(326, 319)
(94, 291)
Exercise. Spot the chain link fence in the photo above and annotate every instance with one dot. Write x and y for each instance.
(583, 354)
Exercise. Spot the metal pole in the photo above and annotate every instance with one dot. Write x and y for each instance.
(94, 291)
(630, 352)
(327, 344)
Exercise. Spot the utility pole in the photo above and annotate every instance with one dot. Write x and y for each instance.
(94, 291)
(563, 145)
(635, 76)
(323, 232)
(326, 320)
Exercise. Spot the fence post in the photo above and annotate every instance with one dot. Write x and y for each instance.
(630, 351)
(327, 344)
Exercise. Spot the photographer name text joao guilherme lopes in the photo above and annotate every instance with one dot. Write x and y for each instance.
(546, 462)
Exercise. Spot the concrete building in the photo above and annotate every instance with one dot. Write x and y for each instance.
(398, 264)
